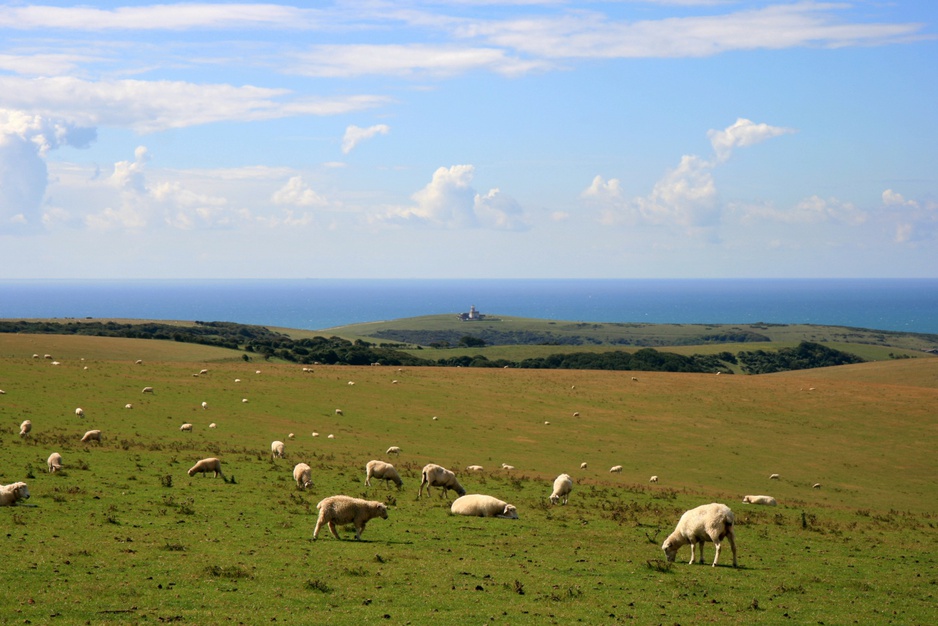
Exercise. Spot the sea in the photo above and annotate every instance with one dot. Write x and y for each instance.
(909, 305)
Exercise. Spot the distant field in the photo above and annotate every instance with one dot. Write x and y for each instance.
(123, 535)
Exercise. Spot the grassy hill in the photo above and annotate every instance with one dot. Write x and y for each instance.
(123, 535)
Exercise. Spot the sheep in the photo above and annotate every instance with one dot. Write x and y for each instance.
(767, 500)
(187, 427)
(25, 427)
(583, 465)
(205, 466)
(773, 477)
(11, 494)
(91, 435)
(128, 406)
(347, 510)
(301, 474)
(276, 450)
(202, 372)
(79, 412)
(205, 405)
(138, 362)
(478, 505)
(147, 390)
(563, 485)
(393, 450)
(615, 469)
(474, 468)
(653, 479)
(505, 466)
(434, 475)
(54, 462)
(213, 425)
(291, 436)
(382, 470)
(708, 522)
(816, 486)
(338, 411)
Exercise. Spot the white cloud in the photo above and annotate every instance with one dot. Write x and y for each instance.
(150, 106)
(917, 220)
(449, 201)
(297, 193)
(355, 135)
(741, 134)
(893, 198)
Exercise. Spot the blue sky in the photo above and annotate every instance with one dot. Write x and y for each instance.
(464, 139)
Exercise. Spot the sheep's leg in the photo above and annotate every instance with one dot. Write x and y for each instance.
(318, 526)
(358, 531)
(335, 533)
(716, 557)
(693, 547)
(700, 547)
(731, 535)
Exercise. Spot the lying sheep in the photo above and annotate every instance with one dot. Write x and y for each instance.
(205, 466)
(25, 427)
(615, 469)
(708, 522)
(474, 468)
(11, 494)
(276, 450)
(54, 462)
(478, 505)
(767, 500)
(563, 485)
(434, 475)
(382, 470)
(347, 510)
(92, 435)
(187, 427)
(302, 474)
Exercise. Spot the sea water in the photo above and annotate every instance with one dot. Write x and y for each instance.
(316, 304)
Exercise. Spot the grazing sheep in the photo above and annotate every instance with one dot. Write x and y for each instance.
(338, 411)
(291, 436)
(147, 390)
(394, 450)
(205, 405)
(708, 522)
(187, 427)
(276, 450)
(474, 468)
(563, 485)
(767, 500)
(11, 494)
(583, 466)
(773, 477)
(213, 425)
(434, 475)
(576, 414)
(347, 510)
(478, 505)
(54, 462)
(92, 435)
(128, 406)
(138, 362)
(302, 474)
(25, 427)
(205, 466)
(330, 436)
(382, 470)
(816, 485)
(615, 469)
(80, 412)
(203, 372)
(653, 479)
(244, 400)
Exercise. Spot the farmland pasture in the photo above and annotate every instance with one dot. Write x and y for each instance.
(123, 535)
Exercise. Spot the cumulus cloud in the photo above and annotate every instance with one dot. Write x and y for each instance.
(297, 193)
(25, 139)
(450, 201)
(354, 135)
(917, 221)
(741, 134)
(893, 198)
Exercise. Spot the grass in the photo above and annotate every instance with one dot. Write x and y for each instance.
(123, 535)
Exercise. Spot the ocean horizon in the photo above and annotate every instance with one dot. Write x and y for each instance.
(905, 305)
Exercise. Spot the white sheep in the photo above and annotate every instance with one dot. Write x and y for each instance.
(347, 510)
(434, 475)
(338, 411)
(479, 505)
(291, 436)
(615, 469)
(11, 494)
(205, 466)
(187, 427)
(147, 390)
(816, 486)
(128, 406)
(80, 412)
(393, 450)
(54, 462)
(205, 405)
(474, 468)
(213, 425)
(708, 522)
(653, 479)
(773, 477)
(276, 450)
(767, 500)
(583, 466)
(91, 435)
(505, 466)
(203, 372)
(384, 471)
(302, 475)
(25, 427)
(563, 485)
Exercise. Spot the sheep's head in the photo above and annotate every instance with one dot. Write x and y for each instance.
(670, 550)
(20, 491)
(510, 512)
(382, 510)
(554, 499)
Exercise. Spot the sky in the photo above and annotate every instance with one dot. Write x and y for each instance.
(469, 139)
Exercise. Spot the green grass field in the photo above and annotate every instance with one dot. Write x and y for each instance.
(123, 535)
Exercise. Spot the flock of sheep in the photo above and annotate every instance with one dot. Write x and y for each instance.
(710, 522)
